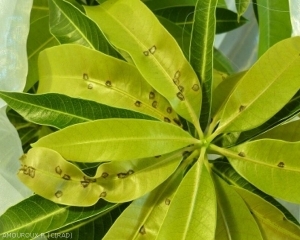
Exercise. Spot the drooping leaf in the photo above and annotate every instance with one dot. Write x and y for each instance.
(39, 38)
(252, 102)
(116, 140)
(287, 132)
(241, 7)
(270, 165)
(274, 23)
(272, 223)
(155, 53)
(234, 218)
(227, 173)
(92, 75)
(60, 111)
(38, 215)
(226, 20)
(201, 53)
(69, 25)
(46, 173)
(196, 201)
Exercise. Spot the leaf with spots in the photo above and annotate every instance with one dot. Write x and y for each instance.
(252, 102)
(154, 51)
(270, 165)
(144, 216)
(116, 140)
(234, 218)
(48, 174)
(201, 52)
(60, 111)
(92, 75)
(272, 223)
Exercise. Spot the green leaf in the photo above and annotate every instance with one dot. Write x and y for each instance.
(92, 75)
(241, 7)
(274, 23)
(162, 4)
(221, 62)
(60, 111)
(272, 222)
(39, 10)
(38, 215)
(234, 218)
(287, 132)
(252, 102)
(151, 48)
(201, 52)
(270, 165)
(39, 38)
(69, 25)
(195, 200)
(227, 173)
(46, 173)
(133, 138)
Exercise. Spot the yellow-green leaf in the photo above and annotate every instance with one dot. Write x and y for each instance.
(272, 223)
(252, 102)
(132, 27)
(116, 139)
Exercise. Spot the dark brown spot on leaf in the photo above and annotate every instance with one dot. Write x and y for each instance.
(151, 95)
(242, 154)
(152, 49)
(122, 175)
(108, 83)
(66, 177)
(58, 194)
(154, 104)
(130, 172)
(104, 175)
(103, 195)
(90, 86)
(177, 75)
(167, 201)
(142, 230)
(85, 76)
(176, 81)
(31, 172)
(180, 96)
(195, 87)
(242, 108)
(180, 88)
(169, 110)
(138, 103)
(58, 170)
(85, 178)
(146, 53)
(167, 120)
(84, 183)
(281, 165)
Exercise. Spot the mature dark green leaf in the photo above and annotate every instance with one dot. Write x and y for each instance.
(201, 53)
(69, 25)
(60, 111)
(221, 62)
(38, 215)
(39, 10)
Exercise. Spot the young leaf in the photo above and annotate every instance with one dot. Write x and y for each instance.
(274, 23)
(252, 102)
(154, 51)
(241, 7)
(270, 165)
(201, 52)
(39, 215)
(196, 201)
(272, 222)
(69, 25)
(234, 218)
(60, 111)
(92, 75)
(49, 175)
(116, 140)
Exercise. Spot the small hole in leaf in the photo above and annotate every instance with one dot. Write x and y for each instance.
(108, 83)
(151, 95)
(146, 53)
(281, 165)
(180, 88)
(105, 175)
(167, 201)
(242, 108)
(154, 104)
(152, 49)
(195, 87)
(180, 96)
(66, 177)
(167, 120)
(58, 194)
(138, 103)
(58, 170)
(90, 86)
(242, 154)
(169, 110)
(142, 230)
(103, 195)
(84, 183)
(85, 76)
